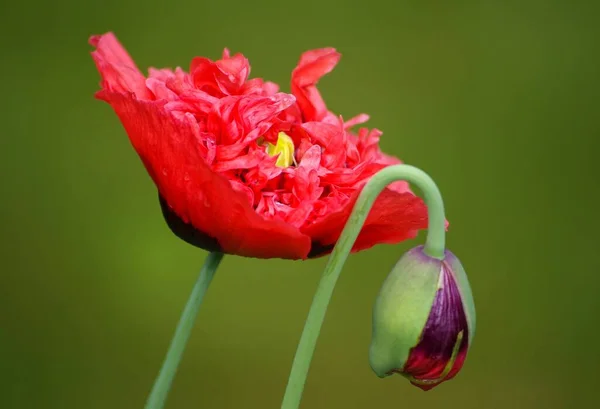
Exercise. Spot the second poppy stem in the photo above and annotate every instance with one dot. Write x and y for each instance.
(434, 247)
(162, 385)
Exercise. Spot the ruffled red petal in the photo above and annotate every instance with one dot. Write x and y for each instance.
(169, 149)
(394, 217)
(119, 72)
(312, 66)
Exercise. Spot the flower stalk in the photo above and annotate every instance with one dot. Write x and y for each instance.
(162, 385)
(434, 247)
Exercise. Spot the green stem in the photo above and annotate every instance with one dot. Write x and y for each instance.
(162, 385)
(434, 247)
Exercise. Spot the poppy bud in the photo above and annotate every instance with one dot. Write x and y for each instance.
(423, 320)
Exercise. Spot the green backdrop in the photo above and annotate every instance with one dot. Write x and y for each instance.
(498, 101)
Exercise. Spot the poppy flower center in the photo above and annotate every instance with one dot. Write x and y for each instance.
(284, 148)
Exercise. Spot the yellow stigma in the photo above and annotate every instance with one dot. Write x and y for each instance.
(284, 148)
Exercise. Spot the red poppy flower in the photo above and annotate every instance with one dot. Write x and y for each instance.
(245, 169)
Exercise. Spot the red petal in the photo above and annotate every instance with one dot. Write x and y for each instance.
(311, 159)
(119, 72)
(357, 120)
(236, 69)
(242, 119)
(169, 149)
(314, 64)
(311, 67)
(222, 77)
(333, 140)
(393, 218)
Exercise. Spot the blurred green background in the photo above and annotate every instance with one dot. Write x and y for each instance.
(498, 101)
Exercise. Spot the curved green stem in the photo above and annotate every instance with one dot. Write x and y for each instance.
(434, 247)
(162, 385)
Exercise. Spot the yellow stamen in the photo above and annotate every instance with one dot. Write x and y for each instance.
(284, 148)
